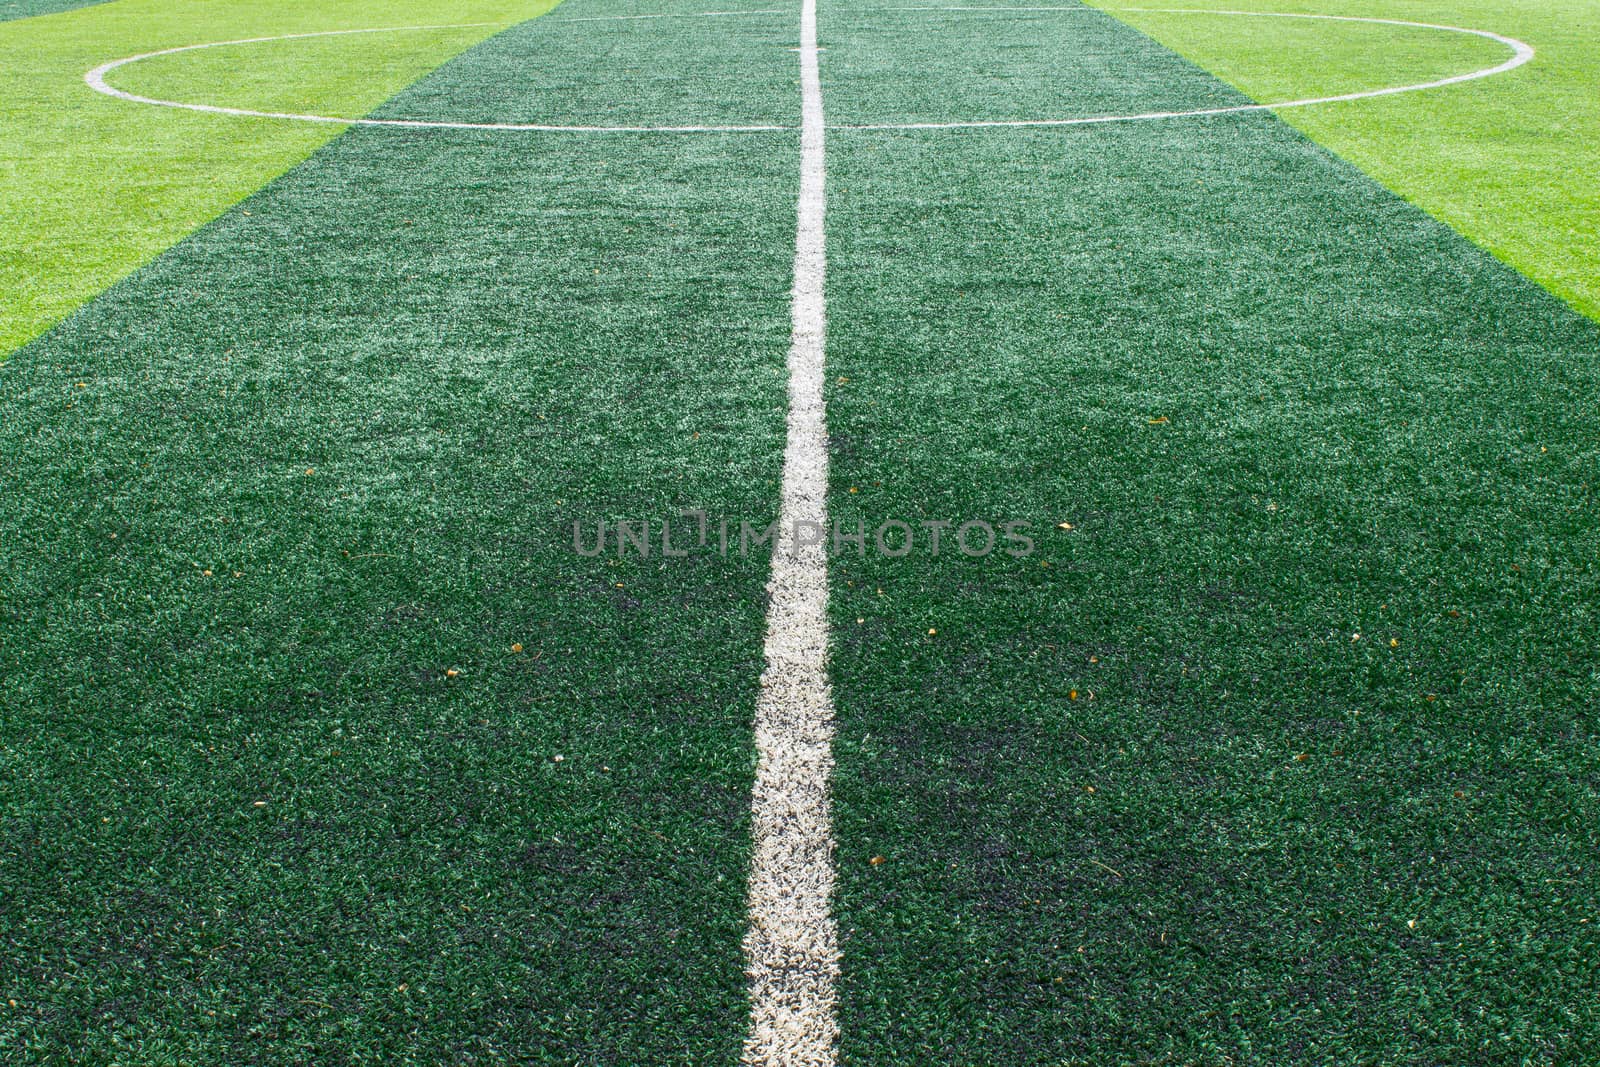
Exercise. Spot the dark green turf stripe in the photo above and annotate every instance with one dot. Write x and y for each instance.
(1280, 408)
(27, 9)
(719, 71)
(251, 817)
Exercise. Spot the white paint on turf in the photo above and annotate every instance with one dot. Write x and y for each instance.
(1077, 9)
(791, 946)
(96, 80)
(670, 15)
(1521, 52)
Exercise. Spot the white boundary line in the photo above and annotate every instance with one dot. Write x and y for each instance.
(791, 945)
(1521, 53)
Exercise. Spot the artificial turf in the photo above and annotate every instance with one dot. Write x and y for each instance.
(1286, 751)
(27, 9)
(1283, 752)
(91, 188)
(1507, 161)
(321, 744)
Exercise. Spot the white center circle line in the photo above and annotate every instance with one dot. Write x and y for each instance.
(666, 15)
(1078, 9)
(1521, 53)
(96, 80)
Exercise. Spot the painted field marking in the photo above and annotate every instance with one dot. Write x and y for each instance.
(791, 945)
(1078, 9)
(1521, 51)
(671, 15)
(96, 80)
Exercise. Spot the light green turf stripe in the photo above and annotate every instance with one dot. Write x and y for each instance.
(1508, 162)
(92, 188)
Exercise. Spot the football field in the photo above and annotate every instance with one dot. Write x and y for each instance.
(811, 533)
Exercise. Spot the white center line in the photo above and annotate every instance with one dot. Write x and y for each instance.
(792, 945)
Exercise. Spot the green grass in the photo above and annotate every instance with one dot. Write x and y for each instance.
(91, 187)
(1507, 161)
(1285, 752)
(1144, 797)
(327, 451)
(27, 9)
